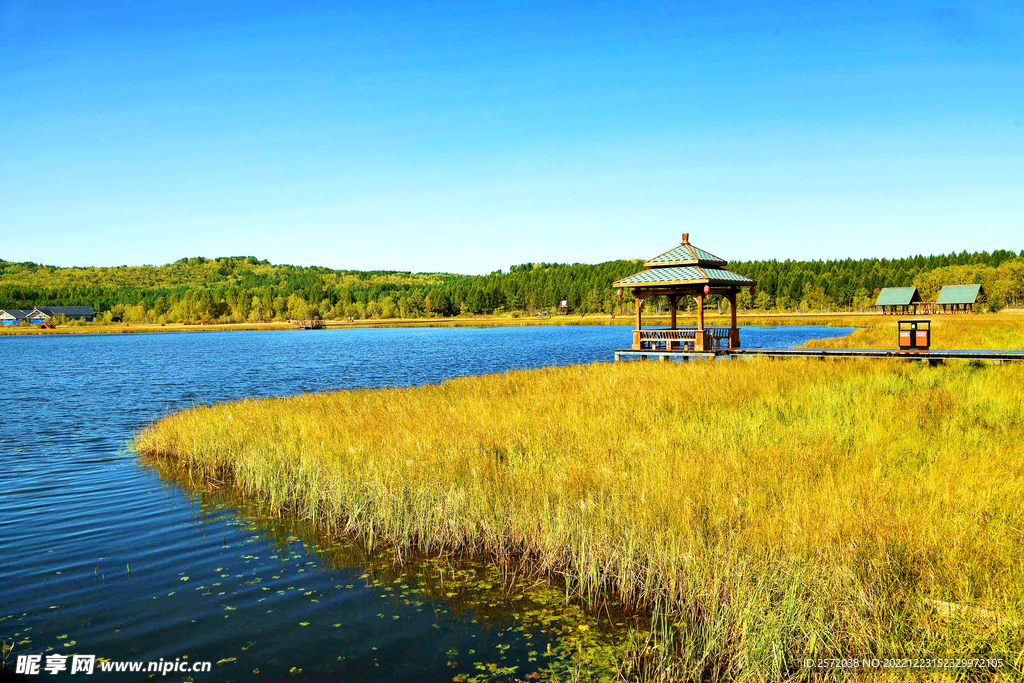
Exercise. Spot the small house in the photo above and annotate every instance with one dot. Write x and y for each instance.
(898, 300)
(12, 316)
(43, 313)
(960, 298)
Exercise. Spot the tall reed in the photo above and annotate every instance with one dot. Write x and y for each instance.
(765, 511)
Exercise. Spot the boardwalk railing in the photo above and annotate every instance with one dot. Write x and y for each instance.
(683, 339)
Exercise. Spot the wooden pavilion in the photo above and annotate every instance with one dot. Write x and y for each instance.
(960, 298)
(899, 300)
(684, 271)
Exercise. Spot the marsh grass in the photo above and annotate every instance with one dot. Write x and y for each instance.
(555, 637)
(486, 321)
(1003, 332)
(762, 512)
(6, 648)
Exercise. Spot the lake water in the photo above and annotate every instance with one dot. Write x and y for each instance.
(102, 555)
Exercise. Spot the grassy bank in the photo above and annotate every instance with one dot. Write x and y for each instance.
(831, 319)
(1001, 331)
(136, 328)
(768, 511)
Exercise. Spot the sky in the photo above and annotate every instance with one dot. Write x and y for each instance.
(466, 138)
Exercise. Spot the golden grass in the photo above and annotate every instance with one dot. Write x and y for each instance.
(1000, 331)
(764, 511)
(748, 318)
(135, 328)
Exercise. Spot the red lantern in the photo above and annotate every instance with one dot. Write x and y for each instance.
(707, 289)
(619, 293)
(751, 291)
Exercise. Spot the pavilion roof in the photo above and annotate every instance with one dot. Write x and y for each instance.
(684, 265)
(684, 275)
(685, 255)
(959, 294)
(898, 296)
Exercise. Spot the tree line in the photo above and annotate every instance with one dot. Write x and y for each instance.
(239, 289)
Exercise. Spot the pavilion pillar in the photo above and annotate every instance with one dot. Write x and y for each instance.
(734, 331)
(674, 302)
(698, 344)
(639, 323)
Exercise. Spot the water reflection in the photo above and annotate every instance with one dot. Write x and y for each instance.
(477, 621)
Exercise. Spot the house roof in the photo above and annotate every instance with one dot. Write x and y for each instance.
(51, 311)
(898, 296)
(684, 265)
(959, 294)
(16, 313)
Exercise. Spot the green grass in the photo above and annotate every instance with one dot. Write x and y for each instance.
(762, 512)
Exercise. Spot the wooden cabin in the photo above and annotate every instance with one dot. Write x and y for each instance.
(960, 298)
(680, 272)
(898, 300)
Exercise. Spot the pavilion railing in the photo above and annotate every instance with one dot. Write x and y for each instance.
(719, 334)
(663, 335)
(684, 338)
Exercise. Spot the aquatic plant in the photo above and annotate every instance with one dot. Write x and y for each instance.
(6, 647)
(540, 635)
(762, 512)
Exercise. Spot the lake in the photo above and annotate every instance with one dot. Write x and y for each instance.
(102, 555)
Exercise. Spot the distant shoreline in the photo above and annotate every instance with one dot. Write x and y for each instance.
(755, 319)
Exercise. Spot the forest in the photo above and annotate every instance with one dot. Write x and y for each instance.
(239, 289)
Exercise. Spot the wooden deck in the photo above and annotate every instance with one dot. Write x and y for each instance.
(932, 356)
(682, 338)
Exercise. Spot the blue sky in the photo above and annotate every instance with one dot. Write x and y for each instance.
(434, 137)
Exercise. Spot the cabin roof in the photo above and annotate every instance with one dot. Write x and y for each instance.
(898, 296)
(959, 294)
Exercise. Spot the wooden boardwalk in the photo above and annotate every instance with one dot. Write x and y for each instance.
(933, 356)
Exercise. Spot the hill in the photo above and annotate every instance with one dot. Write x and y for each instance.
(242, 288)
